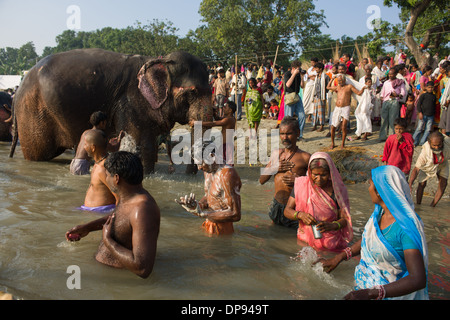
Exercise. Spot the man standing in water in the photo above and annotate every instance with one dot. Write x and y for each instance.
(131, 232)
(99, 197)
(221, 205)
(292, 162)
(81, 163)
(433, 161)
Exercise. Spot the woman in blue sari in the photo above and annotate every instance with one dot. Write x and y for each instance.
(393, 249)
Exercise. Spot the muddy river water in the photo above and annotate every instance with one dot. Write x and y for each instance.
(260, 261)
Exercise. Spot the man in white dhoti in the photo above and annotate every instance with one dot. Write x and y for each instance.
(364, 111)
(308, 94)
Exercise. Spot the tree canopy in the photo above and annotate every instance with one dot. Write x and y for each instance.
(253, 30)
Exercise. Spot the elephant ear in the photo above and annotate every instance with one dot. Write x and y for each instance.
(154, 82)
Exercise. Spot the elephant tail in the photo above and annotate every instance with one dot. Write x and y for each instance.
(15, 136)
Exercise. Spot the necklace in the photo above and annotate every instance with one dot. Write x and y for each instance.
(389, 228)
(292, 154)
(97, 162)
(385, 233)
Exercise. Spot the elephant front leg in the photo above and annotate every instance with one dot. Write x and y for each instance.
(149, 154)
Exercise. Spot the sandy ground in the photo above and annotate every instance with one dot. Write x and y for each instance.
(354, 162)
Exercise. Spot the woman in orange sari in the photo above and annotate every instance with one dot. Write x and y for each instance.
(320, 199)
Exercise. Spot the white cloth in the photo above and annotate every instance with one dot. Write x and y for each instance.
(363, 114)
(425, 162)
(308, 93)
(338, 114)
(322, 85)
(446, 95)
(241, 84)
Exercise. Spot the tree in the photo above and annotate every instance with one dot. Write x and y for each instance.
(255, 28)
(432, 18)
(14, 61)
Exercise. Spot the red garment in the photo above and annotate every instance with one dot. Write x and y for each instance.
(350, 71)
(399, 155)
(268, 77)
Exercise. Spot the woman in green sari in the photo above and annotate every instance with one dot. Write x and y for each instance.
(253, 104)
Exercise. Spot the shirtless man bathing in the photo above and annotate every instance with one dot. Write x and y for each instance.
(292, 162)
(99, 197)
(221, 204)
(341, 113)
(80, 164)
(228, 122)
(130, 233)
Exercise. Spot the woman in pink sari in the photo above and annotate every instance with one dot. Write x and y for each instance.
(320, 198)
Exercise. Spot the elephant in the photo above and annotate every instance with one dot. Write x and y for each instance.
(142, 96)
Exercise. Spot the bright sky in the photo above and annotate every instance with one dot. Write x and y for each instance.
(40, 21)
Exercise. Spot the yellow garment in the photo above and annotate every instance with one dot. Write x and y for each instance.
(260, 73)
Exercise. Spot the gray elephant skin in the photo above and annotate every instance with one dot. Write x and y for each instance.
(5, 113)
(142, 96)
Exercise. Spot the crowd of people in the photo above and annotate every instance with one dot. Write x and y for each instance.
(310, 195)
(385, 89)
(409, 104)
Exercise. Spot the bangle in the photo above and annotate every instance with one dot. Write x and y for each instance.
(348, 252)
(381, 292)
(339, 225)
(295, 215)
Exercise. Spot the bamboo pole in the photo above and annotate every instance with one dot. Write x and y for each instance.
(276, 55)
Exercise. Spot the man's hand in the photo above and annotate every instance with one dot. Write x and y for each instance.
(107, 228)
(288, 179)
(76, 233)
(191, 205)
(285, 166)
(295, 71)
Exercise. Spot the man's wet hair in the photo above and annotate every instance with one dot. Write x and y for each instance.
(97, 117)
(232, 105)
(97, 138)
(127, 165)
(290, 121)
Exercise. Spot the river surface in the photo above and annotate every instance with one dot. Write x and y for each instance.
(260, 261)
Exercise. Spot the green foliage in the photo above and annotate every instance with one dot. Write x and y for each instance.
(250, 29)
(255, 28)
(14, 61)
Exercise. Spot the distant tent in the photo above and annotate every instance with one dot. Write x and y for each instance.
(9, 82)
